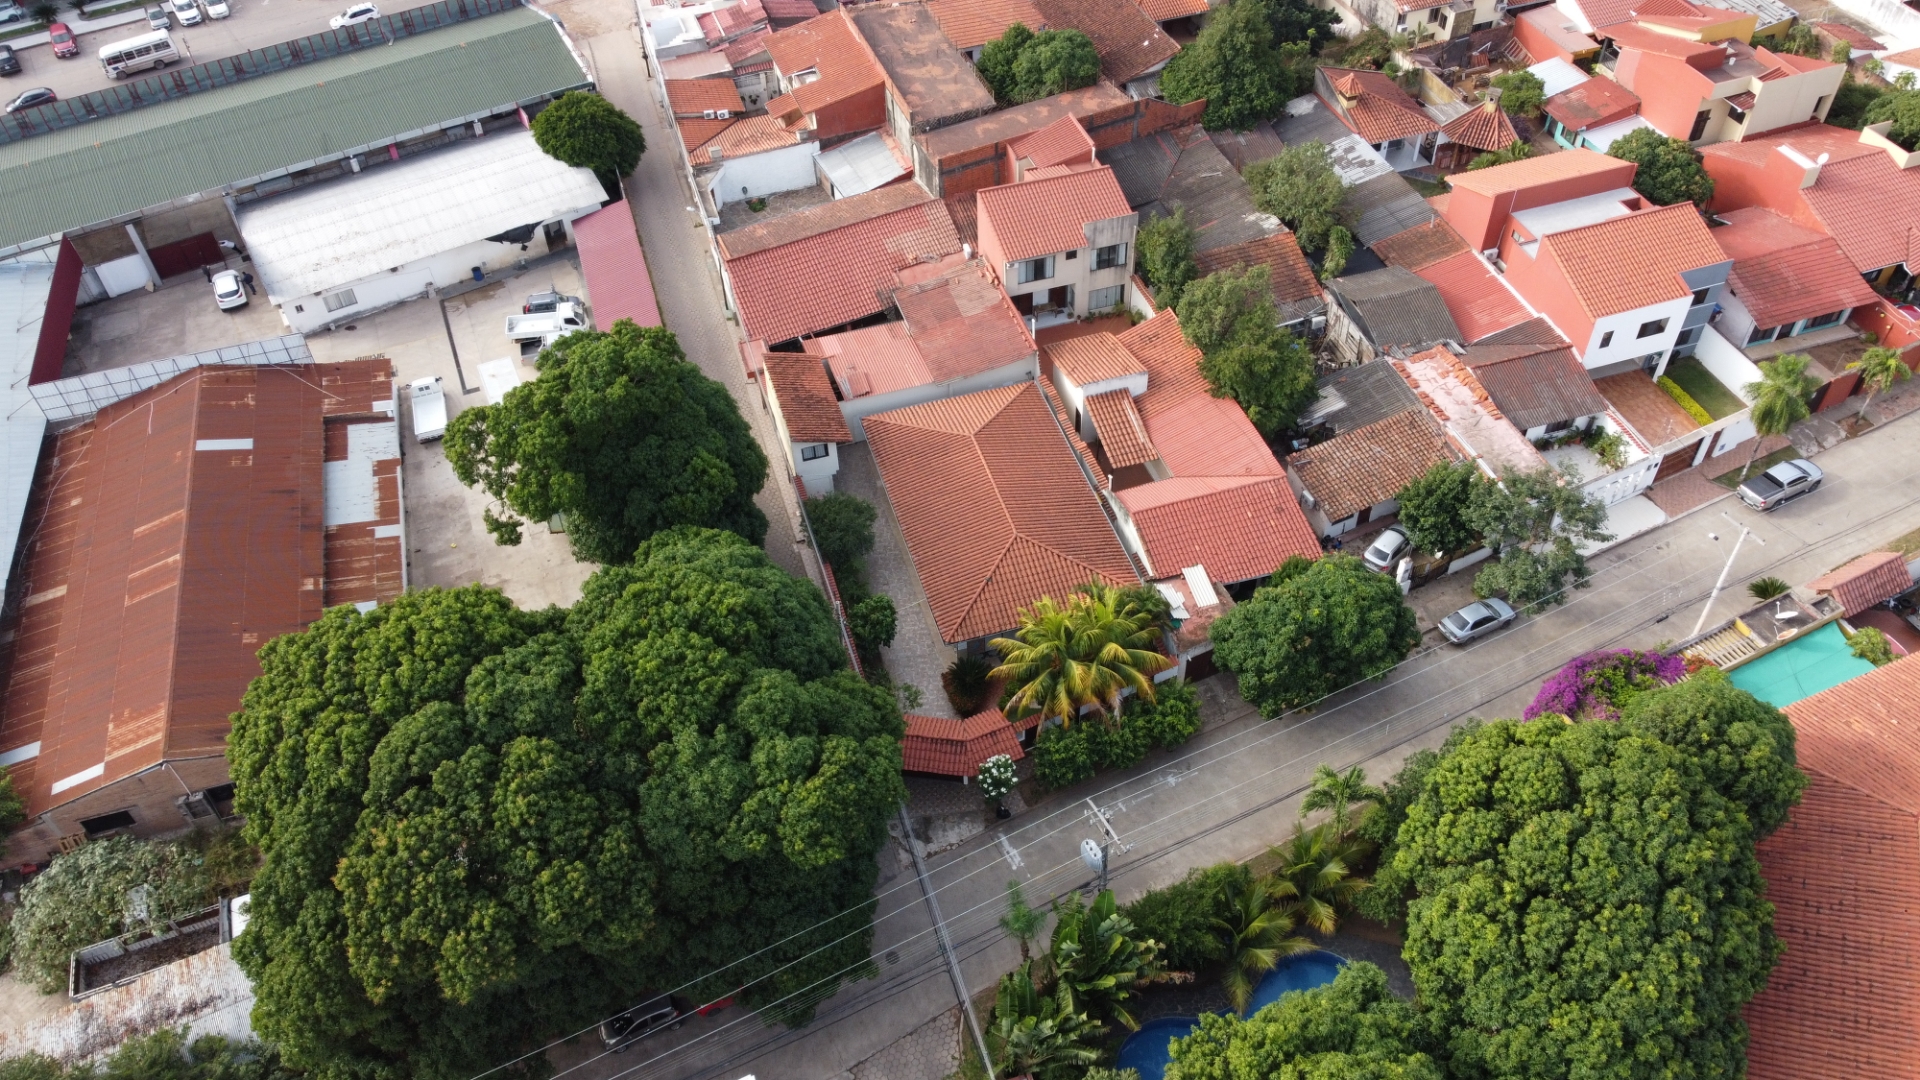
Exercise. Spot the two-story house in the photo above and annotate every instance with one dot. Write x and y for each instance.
(1060, 241)
(1718, 89)
(1425, 20)
(828, 81)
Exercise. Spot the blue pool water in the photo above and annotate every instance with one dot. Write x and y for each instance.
(1800, 668)
(1146, 1049)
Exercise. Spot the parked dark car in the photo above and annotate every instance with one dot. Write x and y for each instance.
(1783, 483)
(39, 95)
(9, 63)
(641, 1021)
(60, 36)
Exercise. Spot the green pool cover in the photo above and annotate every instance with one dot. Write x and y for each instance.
(1801, 668)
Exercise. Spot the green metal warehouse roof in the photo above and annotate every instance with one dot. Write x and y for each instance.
(120, 164)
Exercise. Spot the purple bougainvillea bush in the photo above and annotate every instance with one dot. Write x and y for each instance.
(1594, 686)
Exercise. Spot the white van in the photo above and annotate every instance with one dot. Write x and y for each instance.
(153, 50)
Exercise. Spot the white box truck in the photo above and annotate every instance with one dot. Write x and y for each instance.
(547, 326)
(429, 408)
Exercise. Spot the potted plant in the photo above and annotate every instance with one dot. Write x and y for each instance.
(996, 781)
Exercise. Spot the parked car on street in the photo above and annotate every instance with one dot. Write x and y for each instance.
(641, 1021)
(39, 95)
(354, 16)
(1386, 548)
(228, 291)
(1783, 483)
(158, 19)
(60, 36)
(1476, 619)
(11, 12)
(9, 63)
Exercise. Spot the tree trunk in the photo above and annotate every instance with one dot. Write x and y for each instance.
(1744, 469)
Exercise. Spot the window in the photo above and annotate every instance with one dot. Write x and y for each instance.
(1736, 114)
(1828, 319)
(100, 826)
(1648, 329)
(1606, 339)
(1108, 257)
(1688, 336)
(1433, 15)
(1700, 295)
(1700, 125)
(1558, 426)
(813, 451)
(342, 299)
(1033, 270)
(1761, 334)
(1072, 255)
(1102, 299)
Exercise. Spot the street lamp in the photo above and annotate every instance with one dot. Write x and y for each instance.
(1745, 532)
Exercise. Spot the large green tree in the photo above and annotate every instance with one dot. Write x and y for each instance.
(1298, 186)
(1433, 507)
(1325, 627)
(1351, 1029)
(1236, 65)
(1586, 897)
(1669, 170)
(1231, 318)
(585, 129)
(1165, 245)
(484, 826)
(622, 436)
(1021, 65)
(1086, 653)
(1536, 523)
(1521, 92)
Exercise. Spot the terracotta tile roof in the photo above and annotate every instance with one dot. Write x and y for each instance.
(1479, 300)
(1666, 241)
(971, 23)
(1783, 271)
(955, 322)
(1591, 104)
(1453, 395)
(742, 50)
(805, 397)
(1129, 43)
(944, 747)
(697, 132)
(1842, 874)
(1047, 216)
(614, 267)
(827, 265)
(1369, 465)
(1535, 382)
(1294, 281)
(1093, 358)
(963, 209)
(1656, 417)
(1855, 39)
(1168, 10)
(1839, 144)
(1080, 447)
(1062, 142)
(1374, 106)
(1122, 433)
(1866, 581)
(1006, 124)
(1421, 246)
(1743, 101)
(994, 508)
(754, 135)
(783, 13)
(1533, 172)
(1173, 365)
(1483, 128)
(691, 97)
(1856, 199)
(830, 45)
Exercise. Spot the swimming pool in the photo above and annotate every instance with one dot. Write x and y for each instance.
(1801, 668)
(1147, 1049)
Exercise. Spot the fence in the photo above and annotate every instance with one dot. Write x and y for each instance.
(81, 396)
(133, 944)
(167, 85)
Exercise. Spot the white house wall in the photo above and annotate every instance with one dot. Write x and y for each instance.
(1726, 362)
(754, 176)
(1074, 397)
(856, 410)
(1625, 325)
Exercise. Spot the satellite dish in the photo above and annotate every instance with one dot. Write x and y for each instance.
(1091, 855)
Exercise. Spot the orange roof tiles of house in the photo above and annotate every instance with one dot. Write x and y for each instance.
(1857, 194)
(828, 265)
(1480, 302)
(1167, 10)
(691, 97)
(832, 46)
(1841, 872)
(1374, 106)
(1533, 171)
(1062, 142)
(1293, 277)
(1421, 246)
(1666, 241)
(1093, 358)
(695, 132)
(1484, 127)
(1122, 433)
(972, 23)
(943, 747)
(1649, 410)
(1858, 40)
(1129, 43)
(754, 135)
(1455, 397)
(954, 322)
(994, 507)
(1043, 217)
(1591, 104)
(1369, 465)
(1866, 581)
(1783, 272)
(807, 404)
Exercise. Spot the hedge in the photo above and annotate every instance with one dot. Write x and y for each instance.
(1063, 756)
(1685, 401)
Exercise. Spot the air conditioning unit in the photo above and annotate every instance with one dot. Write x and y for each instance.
(716, 154)
(725, 114)
(1318, 325)
(709, 114)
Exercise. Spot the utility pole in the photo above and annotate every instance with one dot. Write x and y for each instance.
(1745, 532)
(1094, 852)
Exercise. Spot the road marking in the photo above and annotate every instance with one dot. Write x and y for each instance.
(1013, 857)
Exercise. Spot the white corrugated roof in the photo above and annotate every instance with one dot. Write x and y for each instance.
(861, 165)
(24, 288)
(308, 242)
(1558, 75)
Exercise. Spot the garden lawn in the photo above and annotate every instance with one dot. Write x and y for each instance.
(1700, 384)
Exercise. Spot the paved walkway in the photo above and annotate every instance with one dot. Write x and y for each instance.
(917, 656)
(1685, 491)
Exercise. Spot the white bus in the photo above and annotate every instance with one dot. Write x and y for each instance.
(153, 50)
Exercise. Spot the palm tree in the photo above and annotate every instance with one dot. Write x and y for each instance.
(1087, 653)
(1314, 882)
(1039, 1035)
(1338, 792)
(1259, 934)
(1097, 962)
(1021, 920)
(1518, 150)
(1767, 588)
(1879, 369)
(1779, 398)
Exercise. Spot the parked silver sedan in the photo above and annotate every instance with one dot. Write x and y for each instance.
(1476, 619)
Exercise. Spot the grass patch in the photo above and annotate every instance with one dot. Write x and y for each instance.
(23, 30)
(1908, 545)
(1703, 388)
(1762, 464)
(1427, 188)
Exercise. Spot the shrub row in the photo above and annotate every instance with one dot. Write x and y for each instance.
(1063, 756)
(1685, 401)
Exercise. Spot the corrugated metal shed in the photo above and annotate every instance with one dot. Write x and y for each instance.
(126, 163)
(24, 290)
(862, 164)
(618, 284)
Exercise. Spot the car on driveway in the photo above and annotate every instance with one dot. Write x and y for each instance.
(9, 63)
(1783, 483)
(39, 95)
(1476, 619)
(354, 16)
(157, 18)
(228, 291)
(187, 11)
(1387, 548)
(60, 36)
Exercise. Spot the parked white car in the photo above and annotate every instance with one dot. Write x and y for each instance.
(217, 9)
(229, 291)
(188, 12)
(354, 16)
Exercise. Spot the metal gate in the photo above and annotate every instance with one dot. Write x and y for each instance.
(186, 256)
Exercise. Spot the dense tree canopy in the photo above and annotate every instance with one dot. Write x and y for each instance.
(1521, 92)
(1670, 171)
(843, 527)
(1165, 246)
(1586, 897)
(1239, 66)
(1535, 522)
(484, 826)
(1351, 1029)
(1021, 65)
(1230, 317)
(1902, 106)
(1433, 507)
(622, 436)
(1314, 631)
(1298, 186)
(586, 129)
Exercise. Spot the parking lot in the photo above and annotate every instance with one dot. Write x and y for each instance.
(447, 542)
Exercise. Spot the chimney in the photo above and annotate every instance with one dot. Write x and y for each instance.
(1809, 168)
